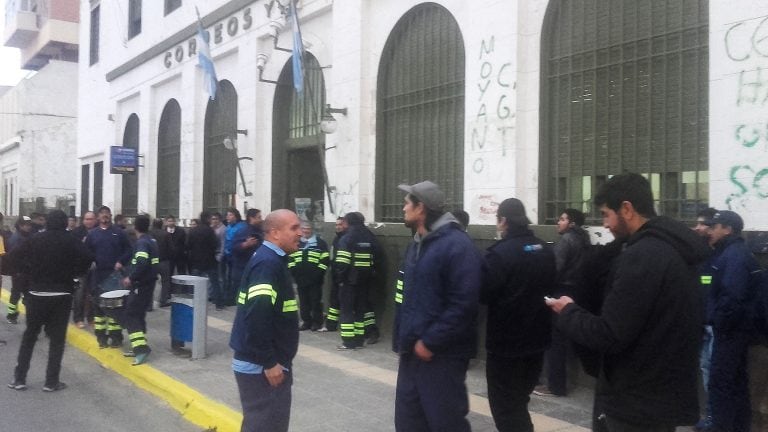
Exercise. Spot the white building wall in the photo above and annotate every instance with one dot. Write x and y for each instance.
(738, 109)
(502, 42)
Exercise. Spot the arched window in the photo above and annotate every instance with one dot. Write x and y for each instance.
(168, 160)
(130, 205)
(420, 114)
(298, 143)
(220, 166)
(624, 88)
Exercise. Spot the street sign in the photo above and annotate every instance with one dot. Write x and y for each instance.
(123, 160)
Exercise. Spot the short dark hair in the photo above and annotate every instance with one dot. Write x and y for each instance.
(170, 216)
(707, 213)
(252, 213)
(205, 217)
(354, 218)
(235, 212)
(216, 214)
(141, 223)
(575, 216)
(631, 187)
(56, 220)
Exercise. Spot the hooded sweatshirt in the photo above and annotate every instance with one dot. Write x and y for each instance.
(649, 330)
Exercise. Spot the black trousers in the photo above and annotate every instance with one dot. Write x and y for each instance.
(353, 299)
(431, 396)
(311, 305)
(510, 383)
(615, 425)
(265, 408)
(729, 382)
(52, 314)
(556, 364)
(334, 308)
(164, 271)
(81, 307)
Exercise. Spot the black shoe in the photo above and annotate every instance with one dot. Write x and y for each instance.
(129, 354)
(304, 327)
(103, 344)
(54, 387)
(18, 385)
(343, 347)
(165, 304)
(116, 343)
(12, 319)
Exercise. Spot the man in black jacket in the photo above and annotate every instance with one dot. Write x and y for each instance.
(51, 260)
(519, 272)
(649, 328)
(201, 247)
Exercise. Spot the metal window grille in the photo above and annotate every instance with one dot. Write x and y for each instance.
(169, 159)
(625, 88)
(420, 125)
(307, 108)
(220, 164)
(131, 181)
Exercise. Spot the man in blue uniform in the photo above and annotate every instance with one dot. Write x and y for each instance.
(308, 266)
(141, 282)
(265, 334)
(435, 328)
(112, 250)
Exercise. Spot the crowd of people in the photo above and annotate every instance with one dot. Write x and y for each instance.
(647, 314)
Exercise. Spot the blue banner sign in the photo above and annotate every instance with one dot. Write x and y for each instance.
(124, 160)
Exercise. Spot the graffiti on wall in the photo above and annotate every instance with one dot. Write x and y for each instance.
(746, 46)
(492, 126)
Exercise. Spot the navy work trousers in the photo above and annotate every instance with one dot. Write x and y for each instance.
(431, 396)
(729, 382)
(265, 408)
(510, 383)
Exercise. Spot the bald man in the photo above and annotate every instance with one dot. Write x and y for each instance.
(265, 334)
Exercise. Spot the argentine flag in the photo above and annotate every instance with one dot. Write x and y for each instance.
(298, 52)
(205, 61)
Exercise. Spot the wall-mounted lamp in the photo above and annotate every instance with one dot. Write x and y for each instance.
(261, 63)
(327, 122)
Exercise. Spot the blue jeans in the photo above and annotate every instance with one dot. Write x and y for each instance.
(705, 357)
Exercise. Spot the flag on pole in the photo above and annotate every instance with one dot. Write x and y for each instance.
(204, 60)
(298, 52)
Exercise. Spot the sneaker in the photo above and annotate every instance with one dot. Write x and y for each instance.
(12, 320)
(343, 347)
(17, 385)
(80, 325)
(129, 354)
(54, 387)
(323, 329)
(542, 390)
(140, 359)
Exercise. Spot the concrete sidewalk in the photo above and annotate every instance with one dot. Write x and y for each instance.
(339, 391)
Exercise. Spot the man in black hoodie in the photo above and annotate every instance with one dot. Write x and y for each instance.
(649, 328)
(51, 260)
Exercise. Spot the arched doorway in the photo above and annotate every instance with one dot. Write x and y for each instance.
(130, 204)
(298, 143)
(420, 111)
(220, 164)
(168, 160)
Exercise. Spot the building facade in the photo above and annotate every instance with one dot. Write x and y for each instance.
(541, 100)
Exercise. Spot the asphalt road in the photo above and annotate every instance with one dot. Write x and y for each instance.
(96, 399)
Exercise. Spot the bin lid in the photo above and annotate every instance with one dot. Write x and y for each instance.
(188, 279)
(116, 293)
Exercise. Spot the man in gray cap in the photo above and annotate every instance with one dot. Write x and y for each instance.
(435, 326)
(730, 301)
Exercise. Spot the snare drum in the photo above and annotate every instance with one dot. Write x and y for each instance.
(114, 299)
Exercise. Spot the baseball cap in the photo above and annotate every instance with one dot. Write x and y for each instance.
(514, 211)
(727, 218)
(26, 219)
(427, 192)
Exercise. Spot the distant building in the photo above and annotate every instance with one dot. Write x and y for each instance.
(38, 116)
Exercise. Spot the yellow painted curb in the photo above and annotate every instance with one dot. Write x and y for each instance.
(193, 405)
